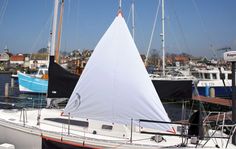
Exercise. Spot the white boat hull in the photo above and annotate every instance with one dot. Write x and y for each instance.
(31, 135)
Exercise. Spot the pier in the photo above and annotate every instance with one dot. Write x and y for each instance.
(215, 100)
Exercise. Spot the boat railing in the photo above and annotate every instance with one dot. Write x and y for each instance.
(23, 116)
(218, 120)
(217, 116)
(183, 133)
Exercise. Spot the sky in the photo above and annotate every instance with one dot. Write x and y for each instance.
(197, 27)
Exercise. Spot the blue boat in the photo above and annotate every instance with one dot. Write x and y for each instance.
(32, 84)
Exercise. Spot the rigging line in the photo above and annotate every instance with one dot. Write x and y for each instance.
(173, 34)
(153, 30)
(131, 12)
(41, 32)
(76, 33)
(66, 22)
(3, 11)
(181, 30)
(210, 41)
(2, 8)
(68, 12)
(128, 18)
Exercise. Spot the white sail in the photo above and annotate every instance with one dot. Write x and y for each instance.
(115, 85)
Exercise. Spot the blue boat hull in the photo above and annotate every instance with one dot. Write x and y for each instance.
(31, 84)
(219, 91)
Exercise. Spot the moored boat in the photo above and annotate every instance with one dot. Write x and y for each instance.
(33, 83)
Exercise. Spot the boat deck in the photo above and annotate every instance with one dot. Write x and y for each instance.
(118, 137)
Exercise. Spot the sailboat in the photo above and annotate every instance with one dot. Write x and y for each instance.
(110, 113)
(169, 86)
(33, 83)
(59, 77)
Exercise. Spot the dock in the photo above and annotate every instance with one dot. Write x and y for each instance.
(215, 100)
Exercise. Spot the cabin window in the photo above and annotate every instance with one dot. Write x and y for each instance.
(214, 76)
(207, 76)
(40, 72)
(201, 76)
(229, 76)
(197, 75)
(107, 127)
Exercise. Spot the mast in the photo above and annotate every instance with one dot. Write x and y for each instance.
(133, 25)
(54, 28)
(119, 9)
(120, 3)
(163, 37)
(59, 33)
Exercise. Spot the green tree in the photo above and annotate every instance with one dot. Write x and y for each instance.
(43, 50)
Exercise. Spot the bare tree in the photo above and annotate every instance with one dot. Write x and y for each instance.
(153, 58)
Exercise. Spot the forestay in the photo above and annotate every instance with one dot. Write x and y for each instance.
(115, 85)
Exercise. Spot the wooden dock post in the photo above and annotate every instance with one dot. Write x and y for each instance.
(6, 89)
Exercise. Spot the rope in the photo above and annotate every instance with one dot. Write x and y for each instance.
(128, 18)
(38, 38)
(3, 10)
(181, 29)
(153, 29)
(204, 28)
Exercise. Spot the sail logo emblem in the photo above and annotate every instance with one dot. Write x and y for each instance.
(77, 101)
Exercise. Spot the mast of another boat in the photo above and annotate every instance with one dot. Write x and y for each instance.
(163, 37)
(54, 28)
(48, 48)
(59, 32)
(133, 25)
(53, 41)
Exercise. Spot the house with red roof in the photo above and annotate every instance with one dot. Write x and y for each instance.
(17, 59)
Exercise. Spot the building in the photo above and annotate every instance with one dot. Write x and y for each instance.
(17, 59)
(38, 60)
(5, 57)
(5, 60)
(183, 60)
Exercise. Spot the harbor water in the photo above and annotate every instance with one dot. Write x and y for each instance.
(16, 99)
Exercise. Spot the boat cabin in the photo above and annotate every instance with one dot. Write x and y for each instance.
(215, 74)
(42, 72)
